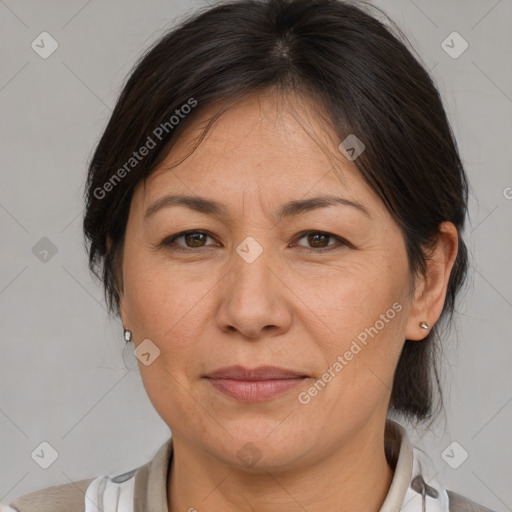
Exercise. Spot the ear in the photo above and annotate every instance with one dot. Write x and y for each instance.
(430, 291)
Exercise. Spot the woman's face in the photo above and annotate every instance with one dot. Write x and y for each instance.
(321, 291)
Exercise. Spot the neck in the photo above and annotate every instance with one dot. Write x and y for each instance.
(353, 478)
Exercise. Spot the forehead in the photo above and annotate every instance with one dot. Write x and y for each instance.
(275, 146)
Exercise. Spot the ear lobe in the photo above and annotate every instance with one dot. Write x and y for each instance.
(430, 292)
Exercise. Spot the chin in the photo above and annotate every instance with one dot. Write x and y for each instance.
(260, 448)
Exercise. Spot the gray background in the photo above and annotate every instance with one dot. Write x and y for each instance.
(62, 375)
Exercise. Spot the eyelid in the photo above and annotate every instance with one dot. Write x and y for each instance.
(169, 241)
(340, 241)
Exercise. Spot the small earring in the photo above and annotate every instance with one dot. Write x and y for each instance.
(424, 325)
(127, 335)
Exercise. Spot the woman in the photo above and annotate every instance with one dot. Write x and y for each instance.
(275, 209)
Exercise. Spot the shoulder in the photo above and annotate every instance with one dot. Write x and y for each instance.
(92, 494)
(459, 503)
(58, 498)
(71, 497)
(144, 487)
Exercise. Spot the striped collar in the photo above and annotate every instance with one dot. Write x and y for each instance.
(414, 487)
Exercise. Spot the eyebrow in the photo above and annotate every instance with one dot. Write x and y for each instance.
(216, 209)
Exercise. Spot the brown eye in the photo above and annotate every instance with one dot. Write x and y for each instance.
(320, 240)
(195, 239)
(192, 239)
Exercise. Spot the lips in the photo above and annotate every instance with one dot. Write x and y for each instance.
(254, 385)
(260, 373)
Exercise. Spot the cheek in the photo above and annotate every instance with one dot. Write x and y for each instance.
(355, 294)
(359, 351)
(163, 307)
(165, 303)
(363, 310)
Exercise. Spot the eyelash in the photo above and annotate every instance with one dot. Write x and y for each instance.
(169, 242)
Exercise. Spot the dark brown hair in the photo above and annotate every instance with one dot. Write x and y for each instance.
(367, 80)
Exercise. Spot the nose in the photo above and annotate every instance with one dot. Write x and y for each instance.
(254, 299)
